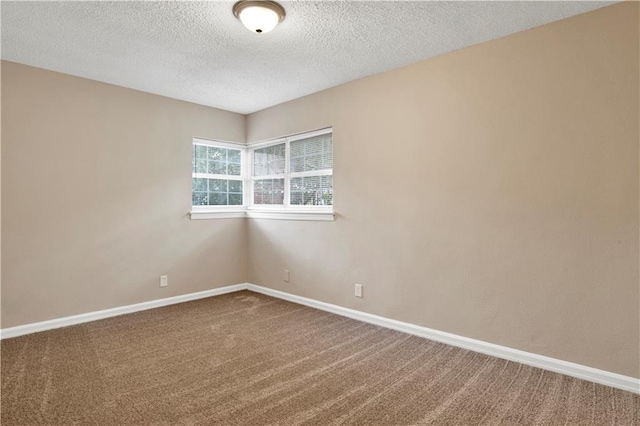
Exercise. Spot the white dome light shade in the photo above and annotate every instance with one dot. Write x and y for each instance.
(259, 19)
(259, 16)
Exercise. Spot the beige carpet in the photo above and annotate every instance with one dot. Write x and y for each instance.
(248, 359)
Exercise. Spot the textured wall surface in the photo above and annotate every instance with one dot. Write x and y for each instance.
(491, 192)
(96, 186)
(199, 52)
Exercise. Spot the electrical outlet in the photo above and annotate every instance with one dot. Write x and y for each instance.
(286, 275)
(358, 290)
(164, 281)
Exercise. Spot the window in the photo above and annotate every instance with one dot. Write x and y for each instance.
(311, 171)
(288, 178)
(295, 172)
(217, 178)
(269, 174)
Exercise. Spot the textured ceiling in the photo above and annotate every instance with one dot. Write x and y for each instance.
(199, 52)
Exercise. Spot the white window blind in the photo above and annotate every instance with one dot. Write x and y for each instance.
(269, 174)
(311, 171)
(296, 171)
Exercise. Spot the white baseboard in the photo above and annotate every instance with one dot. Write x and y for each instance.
(547, 363)
(93, 316)
(564, 367)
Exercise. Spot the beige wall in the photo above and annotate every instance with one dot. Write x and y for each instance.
(491, 192)
(96, 186)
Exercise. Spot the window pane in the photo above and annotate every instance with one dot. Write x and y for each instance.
(217, 168)
(327, 154)
(259, 169)
(198, 185)
(218, 199)
(235, 199)
(327, 191)
(296, 164)
(315, 153)
(235, 186)
(296, 185)
(217, 192)
(201, 165)
(217, 154)
(234, 169)
(278, 191)
(312, 191)
(201, 151)
(296, 198)
(200, 199)
(312, 162)
(217, 185)
(215, 160)
(277, 165)
(233, 156)
(269, 160)
(297, 149)
(312, 183)
(268, 191)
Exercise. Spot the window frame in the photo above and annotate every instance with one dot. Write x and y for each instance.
(286, 206)
(252, 179)
(222, 210)
(248, 209)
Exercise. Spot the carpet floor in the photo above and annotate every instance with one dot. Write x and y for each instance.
(248, 359)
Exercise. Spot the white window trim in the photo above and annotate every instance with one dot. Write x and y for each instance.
(263, 214)
(287, 208)
(261, 211)
(222, 212)
(291, 215)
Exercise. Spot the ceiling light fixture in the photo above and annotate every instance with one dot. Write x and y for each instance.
(259, 16)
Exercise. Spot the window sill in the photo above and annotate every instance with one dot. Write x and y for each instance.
(217, 214)
(326, 215)
(307, 215)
